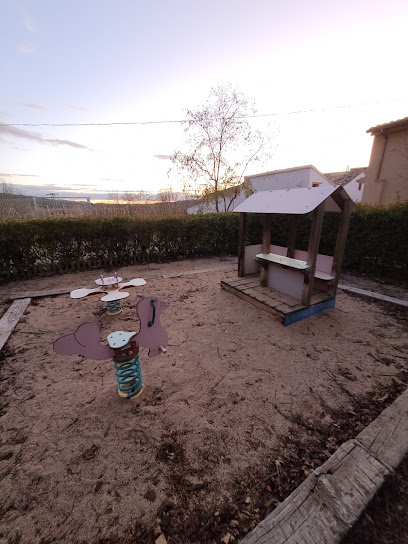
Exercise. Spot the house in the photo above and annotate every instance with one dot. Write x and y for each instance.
(352, 180)
(387, 175)
(291, 178)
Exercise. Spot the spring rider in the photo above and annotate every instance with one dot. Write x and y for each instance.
(111, 287)
(122, 346)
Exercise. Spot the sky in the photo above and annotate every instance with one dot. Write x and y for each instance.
(326, 71)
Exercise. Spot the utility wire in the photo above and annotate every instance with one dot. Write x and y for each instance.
(161, 122)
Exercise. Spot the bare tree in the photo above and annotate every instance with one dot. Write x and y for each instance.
(7, 188)
(220, 144)
(114, 197)
(166, 197)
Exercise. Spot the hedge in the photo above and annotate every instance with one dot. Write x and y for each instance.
(45, 246)
(377, 241)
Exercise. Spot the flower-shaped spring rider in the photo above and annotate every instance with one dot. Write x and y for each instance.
(112, 289)
(123, 346)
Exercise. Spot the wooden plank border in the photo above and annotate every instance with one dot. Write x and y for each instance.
(372, 294)
(328, 503)
(67, 290)
(11, 318)
(45, 293)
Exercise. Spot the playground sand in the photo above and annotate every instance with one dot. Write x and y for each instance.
(80, 464)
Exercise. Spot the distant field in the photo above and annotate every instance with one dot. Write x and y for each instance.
(14, 207)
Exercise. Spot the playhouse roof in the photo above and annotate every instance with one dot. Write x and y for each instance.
(291, 201)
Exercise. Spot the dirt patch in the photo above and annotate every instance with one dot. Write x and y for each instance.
(232, 418)
(259, 490)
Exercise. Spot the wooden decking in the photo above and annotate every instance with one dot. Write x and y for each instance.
(285, 307)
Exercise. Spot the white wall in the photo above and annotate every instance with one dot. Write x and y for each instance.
(291, 179)
(352, 188)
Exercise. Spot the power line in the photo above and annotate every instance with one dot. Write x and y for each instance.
(175, 121)
(90, 124)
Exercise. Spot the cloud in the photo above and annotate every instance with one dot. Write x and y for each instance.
(26, 49)
(111, 179)
(62, 191)
(83, 185)
(2, 174)
(17, 132)
(29, 24)
(163, 157)
(35, 106)
(74, 107)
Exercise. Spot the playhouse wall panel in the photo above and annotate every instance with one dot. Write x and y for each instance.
(251, 265)
(285, 280)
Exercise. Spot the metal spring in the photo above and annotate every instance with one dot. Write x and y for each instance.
(129, 378)
(113, 307)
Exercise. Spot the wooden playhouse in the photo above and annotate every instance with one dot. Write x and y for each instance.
(286, 281)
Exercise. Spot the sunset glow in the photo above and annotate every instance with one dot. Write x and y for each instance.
(327, 72)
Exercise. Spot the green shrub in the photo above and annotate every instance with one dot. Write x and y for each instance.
(377, 241)
(38, 247)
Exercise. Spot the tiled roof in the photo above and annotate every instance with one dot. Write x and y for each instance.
(393, 125)
(342, 178)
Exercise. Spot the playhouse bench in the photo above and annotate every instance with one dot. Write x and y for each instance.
(323, 276)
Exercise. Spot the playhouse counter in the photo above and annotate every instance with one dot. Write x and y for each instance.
(284, 261)
(297, 264)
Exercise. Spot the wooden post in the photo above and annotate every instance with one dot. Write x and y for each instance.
(312, 251)
(340, 245)
(293, 221)
(243, 230)
(266, 246)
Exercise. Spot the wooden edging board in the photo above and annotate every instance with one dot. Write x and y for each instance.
(372, 294)
(11, 318)
(66, 290)
(328, 503)
(44, 293)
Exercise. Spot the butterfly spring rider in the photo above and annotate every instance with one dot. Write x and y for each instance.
(123, 346)
(111, 288)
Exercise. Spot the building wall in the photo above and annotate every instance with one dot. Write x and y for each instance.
(387, 175)
(356, 187)
(292, 179)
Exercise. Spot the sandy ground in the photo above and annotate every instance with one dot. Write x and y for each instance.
(78, 463)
